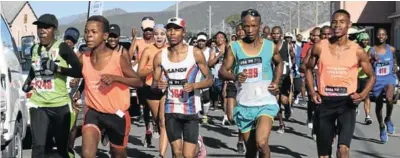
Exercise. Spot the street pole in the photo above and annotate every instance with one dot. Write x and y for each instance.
(209, 21)
(223, 25)
(88, 10)
(290, 18)
(316, 13)
(298, 15)
(177, 8)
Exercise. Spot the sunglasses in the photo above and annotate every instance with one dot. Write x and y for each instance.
(250, 12)
(148, 18)
(148, 29)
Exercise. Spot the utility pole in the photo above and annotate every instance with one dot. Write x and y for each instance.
(223, 25)
(290, 18)
(176, 8)
(298, 15)
(209, 21)
(316, 13)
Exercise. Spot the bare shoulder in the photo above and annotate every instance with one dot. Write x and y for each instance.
(392, 49)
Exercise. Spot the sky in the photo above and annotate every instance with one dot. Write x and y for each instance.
(65, 8)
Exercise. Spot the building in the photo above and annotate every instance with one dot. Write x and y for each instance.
(20, 16)
(372, 15)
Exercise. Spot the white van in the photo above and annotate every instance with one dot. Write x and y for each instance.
(14, 112)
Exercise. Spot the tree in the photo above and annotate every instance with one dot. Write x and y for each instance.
(233, 20)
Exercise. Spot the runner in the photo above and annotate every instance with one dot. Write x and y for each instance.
(137, 48)
(239, 31)
(154, 98)
(215, 62)
(234, 37)
(299, 80)
(287, 54)
(180, 64)
(267, 33)
(338, 59)
(326, 32)
(107, 76)
(71, 36)
(257, 106)
(231, 97)
(50, 102)
(205, 99)
(311, 106)
(363, 41)
(385, 66)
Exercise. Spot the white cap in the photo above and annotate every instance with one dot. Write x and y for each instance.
(202, 37)
(288, 34)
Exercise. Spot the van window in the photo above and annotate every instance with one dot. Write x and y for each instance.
(8, 40)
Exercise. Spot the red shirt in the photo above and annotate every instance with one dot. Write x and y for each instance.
(305, 48)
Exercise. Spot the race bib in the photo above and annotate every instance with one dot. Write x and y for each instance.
(253, 66)
(335, 91)
(44, 84)
(285, 68)
(382, 69)
(176, 90)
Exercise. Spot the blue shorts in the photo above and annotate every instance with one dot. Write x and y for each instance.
(218, 85)
(381, 83)
(246, 116)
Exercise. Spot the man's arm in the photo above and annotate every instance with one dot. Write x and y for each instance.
(223, 72)
(310, 65)
(28, 81)
(156, 70)
(142, 70)
(201, 63)
(125, 54)
(304, 61)
(69, 55)
(291, 53)
(367, 68)
(278, 65)
(394, 59)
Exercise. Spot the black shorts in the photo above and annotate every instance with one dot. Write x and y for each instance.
(140, 92)
(231, 90)
(298, 83)
(151, 94)
(117, 128)
(177, 125)
(332, 109)
(362, 82)
(284, 86)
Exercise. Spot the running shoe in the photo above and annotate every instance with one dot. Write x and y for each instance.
(202, 148)
(390, 127)
(156, 133)
(281, 129)
(383, 135)
(288, 111)
(241, 148)
(147, 139)
(368, 120)
(309, 124)
(225, 121)
(204, 120)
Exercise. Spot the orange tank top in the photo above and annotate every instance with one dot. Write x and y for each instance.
(99, 96)
(337, 74)
(153, 50)
(141, 45)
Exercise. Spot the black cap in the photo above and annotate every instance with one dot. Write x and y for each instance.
(72, 34)
(114, 29)
(48, 19)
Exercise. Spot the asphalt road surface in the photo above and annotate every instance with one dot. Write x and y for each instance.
(296, 142)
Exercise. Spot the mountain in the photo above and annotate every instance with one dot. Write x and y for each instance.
(183, 5)
(82, 17)
(196, 15)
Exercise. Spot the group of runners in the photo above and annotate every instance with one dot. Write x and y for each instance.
(256, 79)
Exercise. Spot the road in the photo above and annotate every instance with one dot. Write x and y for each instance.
(296, 142)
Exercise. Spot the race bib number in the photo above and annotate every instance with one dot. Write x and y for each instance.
(45, 84)
(285, 68)
(253, 66)
(382, 69)
(336, 91)
(176, 89)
